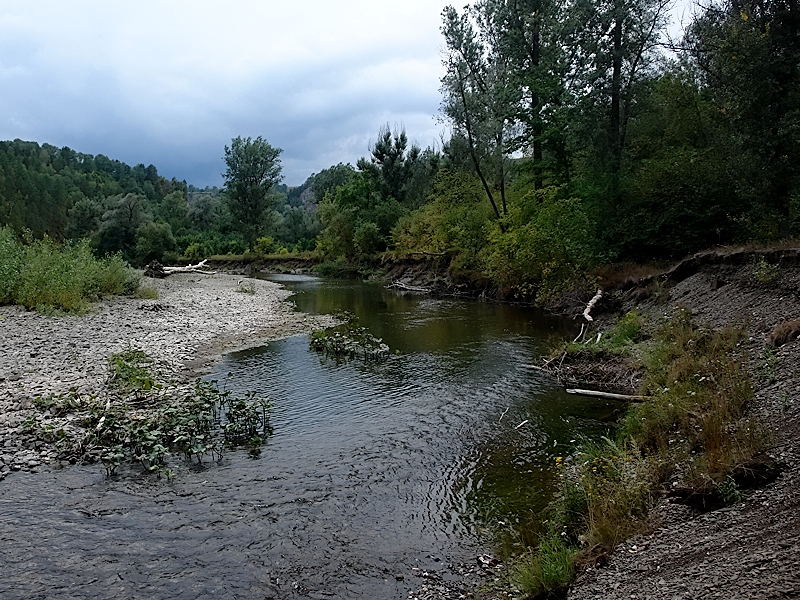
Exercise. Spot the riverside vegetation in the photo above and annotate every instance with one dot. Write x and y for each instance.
(46, 276)
(693, 427)
(140, 418)
(349, 340)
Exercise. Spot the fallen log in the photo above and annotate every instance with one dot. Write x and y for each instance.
(608, 395)
(157, 271)
(408, 288)
(590, 306)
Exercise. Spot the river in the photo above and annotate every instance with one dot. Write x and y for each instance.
(373, 470)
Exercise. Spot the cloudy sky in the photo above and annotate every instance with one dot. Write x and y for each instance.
(170, 82)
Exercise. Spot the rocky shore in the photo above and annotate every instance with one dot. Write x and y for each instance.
(193, 321)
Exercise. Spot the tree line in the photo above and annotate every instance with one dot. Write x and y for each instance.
(580, 135)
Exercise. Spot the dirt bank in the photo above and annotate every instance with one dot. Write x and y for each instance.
(194, 320)
(751, 549)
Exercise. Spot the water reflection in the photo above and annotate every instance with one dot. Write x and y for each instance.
(373, 468)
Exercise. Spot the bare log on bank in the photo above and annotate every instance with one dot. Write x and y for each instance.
(608, 395)
(157, 271)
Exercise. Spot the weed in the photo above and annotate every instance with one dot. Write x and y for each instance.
(763, 271)
(696, 416)
(349, 341)
(147, 293)
(730, 492)
(246, 288)
(769, 364)
(548, 571)
(49, 277)
(140, 418)
(619, 339)
(130, 371)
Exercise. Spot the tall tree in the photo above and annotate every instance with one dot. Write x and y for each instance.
(478, 100)
(748, 52)
(616, 42)
(253, 168)
(391, 163)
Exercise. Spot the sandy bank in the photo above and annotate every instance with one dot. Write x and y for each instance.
(195, 319)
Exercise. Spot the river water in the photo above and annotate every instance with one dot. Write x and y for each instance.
(373, 469)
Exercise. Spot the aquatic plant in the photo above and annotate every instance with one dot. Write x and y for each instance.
(349, 340)
(141, 418)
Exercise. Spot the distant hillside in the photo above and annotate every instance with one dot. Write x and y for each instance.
(40, 184)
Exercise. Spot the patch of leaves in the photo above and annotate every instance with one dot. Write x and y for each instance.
(140, 419)
(349, 341)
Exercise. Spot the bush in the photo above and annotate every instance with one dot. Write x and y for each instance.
(153, 242)
(47, 276)
(546, 246)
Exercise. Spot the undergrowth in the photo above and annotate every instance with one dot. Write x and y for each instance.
(619, 339)
(50, 277)
(696, 417)
(140, 417)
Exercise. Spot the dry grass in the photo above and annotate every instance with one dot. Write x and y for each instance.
(784, 332)
(617, 276)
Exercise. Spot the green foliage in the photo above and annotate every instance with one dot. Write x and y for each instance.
(700, 391)
(349, 340)
(253, 167)
(546, 246)
(47, 276)
(264, 246)
(141, 418)
(456, 218)
(547, 571)
(154, 241)
(620, 339)
(763, 271)
(130, 371)
(367, 238)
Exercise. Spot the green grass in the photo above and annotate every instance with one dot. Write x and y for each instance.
(696, 417)
(619, 339)
(51, 277)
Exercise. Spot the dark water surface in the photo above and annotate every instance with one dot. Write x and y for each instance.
(373, 469)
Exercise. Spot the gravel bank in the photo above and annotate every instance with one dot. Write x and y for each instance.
(195, 319)
(752, 549)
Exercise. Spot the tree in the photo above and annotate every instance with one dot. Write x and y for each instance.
(748, 55)
(390, 165)
(616, 42)
(253, 168)
(478, 100)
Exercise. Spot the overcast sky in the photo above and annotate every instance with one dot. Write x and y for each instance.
(170, 82)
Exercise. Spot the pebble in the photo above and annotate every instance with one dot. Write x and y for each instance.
(41, 355)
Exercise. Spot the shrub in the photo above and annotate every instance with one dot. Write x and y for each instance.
(47, 276)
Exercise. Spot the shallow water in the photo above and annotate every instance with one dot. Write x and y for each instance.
(373, 468)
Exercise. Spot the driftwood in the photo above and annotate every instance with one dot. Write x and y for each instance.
(157, 271)
(610, 396)
(590, 306)
(408, 288)
(424, 253)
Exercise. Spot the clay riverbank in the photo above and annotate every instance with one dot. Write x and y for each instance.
(193, 321)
